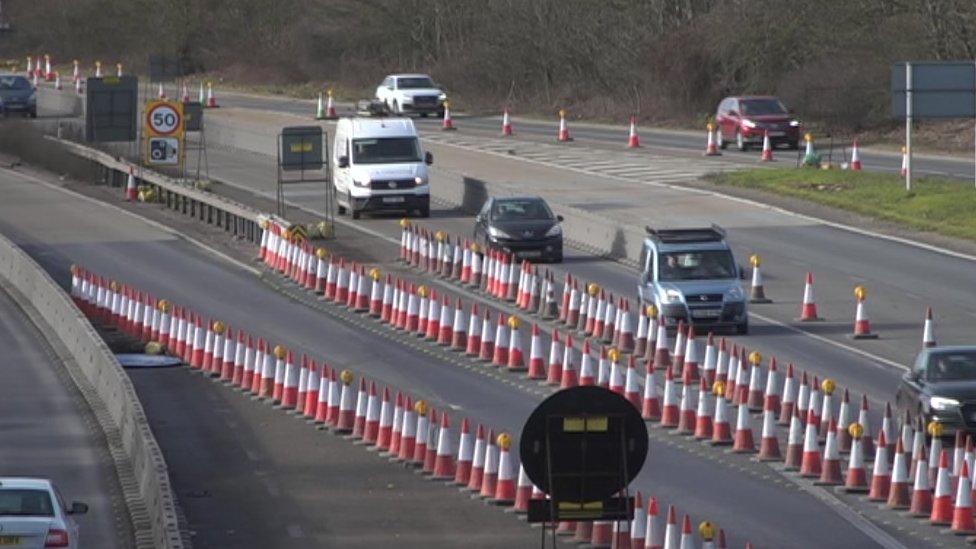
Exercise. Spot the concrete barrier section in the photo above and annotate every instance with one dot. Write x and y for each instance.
(138, 460)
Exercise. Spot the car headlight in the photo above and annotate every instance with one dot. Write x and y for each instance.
(495, 232)
(419, 181)
(735, 294)
(406, 99)
(442, 97)
(362, 182)
(671, 296)
(943, 404)
(555, 230)
(794, 123)
(749, 123)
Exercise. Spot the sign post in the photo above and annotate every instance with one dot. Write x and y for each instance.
(908, 127)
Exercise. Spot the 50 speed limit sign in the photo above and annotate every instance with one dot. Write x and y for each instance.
(164, 118)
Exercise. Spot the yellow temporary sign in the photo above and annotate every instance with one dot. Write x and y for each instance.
(163, 127)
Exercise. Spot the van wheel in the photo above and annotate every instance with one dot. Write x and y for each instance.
(341, 209)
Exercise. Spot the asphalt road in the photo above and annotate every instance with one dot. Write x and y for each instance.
(728, 491)
(48, 431)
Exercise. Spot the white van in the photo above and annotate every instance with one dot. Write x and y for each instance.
(380, 167)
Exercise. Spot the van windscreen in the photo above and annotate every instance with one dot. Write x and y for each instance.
(385, 150)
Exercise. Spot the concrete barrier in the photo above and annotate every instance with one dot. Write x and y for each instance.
(138, 460)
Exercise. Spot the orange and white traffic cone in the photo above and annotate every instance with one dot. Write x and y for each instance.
(447, 124)
(703, 417)
(388, 410)
(881, 478)
(130, 186)
(563, 134)
(794, 442)
(757, 293)
(516, 356)
(671, 533)
(963, 523)
(621, 534)
(505, 484)
(330, 111)
(928, 330)
(57, 81)
(405, 430)
(830, 471)
(477, 468)
(843, 420)
(904, 161)
(856, 478)
(942, 502)
(670, 412)
(633, 141)
(811, 465)
(862, 326)
(48, 71)
(662, 356)
(769, 443)
(500, 356)
(631, 386)
(921, 504)
(489, 479)
(506, 123)
(446, 324)
(855, 157)
(184, 93)
(523, 492)
(788, 400)
(687, 411)
(767, 149)
(743, 441)
(211, 99)
(465, 455)
(161, 93)
(654, 534)
(78, 87)
(678, 357)
(711, 147)
(569, 377)
(537, 365)
(721, 428)
(808, 311)
(651, 405)
(689, 366)
(899, 496)
(638, 525)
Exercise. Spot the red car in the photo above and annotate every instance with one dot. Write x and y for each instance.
(746, 119)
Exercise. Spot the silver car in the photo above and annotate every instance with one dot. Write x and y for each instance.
(33, 515)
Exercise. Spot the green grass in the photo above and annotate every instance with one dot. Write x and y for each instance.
(938, 205)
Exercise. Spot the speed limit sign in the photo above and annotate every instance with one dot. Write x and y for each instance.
(164, 118)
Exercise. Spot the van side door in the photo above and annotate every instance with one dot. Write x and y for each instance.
(342, 175)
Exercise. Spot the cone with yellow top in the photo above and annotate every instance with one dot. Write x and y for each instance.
(711, 147)
(757, 294)
(862, 326)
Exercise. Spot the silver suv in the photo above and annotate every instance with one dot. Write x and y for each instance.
(691, 275)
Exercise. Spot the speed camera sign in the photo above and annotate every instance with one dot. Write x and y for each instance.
(164, 118)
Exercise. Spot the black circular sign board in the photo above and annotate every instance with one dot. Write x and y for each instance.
(583, 444)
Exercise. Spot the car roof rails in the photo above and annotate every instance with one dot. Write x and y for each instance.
(372, 108)
(697, 234)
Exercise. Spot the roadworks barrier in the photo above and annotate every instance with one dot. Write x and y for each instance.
(109, 393)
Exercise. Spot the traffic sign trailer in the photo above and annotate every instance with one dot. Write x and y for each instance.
(305, 149)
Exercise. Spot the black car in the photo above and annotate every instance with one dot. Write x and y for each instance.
(941, 387)
(17, 94)
(524, 226)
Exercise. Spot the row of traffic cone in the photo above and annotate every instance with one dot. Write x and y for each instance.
(405, 429)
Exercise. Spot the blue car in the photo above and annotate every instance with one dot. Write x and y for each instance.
(17, 95)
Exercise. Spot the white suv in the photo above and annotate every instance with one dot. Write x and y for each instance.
(411, 93)
(33, 514)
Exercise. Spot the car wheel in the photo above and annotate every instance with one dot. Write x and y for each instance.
(33, 114)
(742, 328)
(740, 142)
(341, 209)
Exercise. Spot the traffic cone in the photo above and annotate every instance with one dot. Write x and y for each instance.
(466, 449)
(843, 420)
(78, 88)
(904, 161)
(57, 81)
(130, 186)
(651, 405)
(211, 100)
(563, 134)
(757, 293)
(506, 123)
(856, 478)
(808, 311)
(516, 356)
(662, 356)
(867, 443)
(855, 157)
(862, 326)
(830, 471)
(615, 381)
(755, 393)
(587, 374)
(428, 457)
(621, 534)
(733, 375)
(330, 111)
(670, 413)
(98, 69)
(881, 478)
(569, 376)
(689, 373)
(631, 386)
(500, 357)
(811, 465)
(710, 361)
(962, 512)
(537, 367)
(477, 469)
(446, 328)
(711, 147)
(447, 124)
(769, 443)
(459, 335)
(898, 493)
(184, 93)
(555, 370)
(320, 108)
(638, 525)
(921, 504)
(809, 155)
(942, 502)
(671, 533)
(505, 485)
(489, 479)
(743, 442)
(928, 330)
(767, 149)
(703, 416)
(687, 411)
(678, 357)
(654, 534)
(788, 400)
(523, 492)
(633, 141)
(721, 429)
(474, 333)
(161, 94)
(487, 351)
(403, 446)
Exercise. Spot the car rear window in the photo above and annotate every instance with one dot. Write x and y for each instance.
(952, 366)
(20, 502)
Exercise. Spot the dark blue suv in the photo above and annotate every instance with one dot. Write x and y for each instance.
(17, 95)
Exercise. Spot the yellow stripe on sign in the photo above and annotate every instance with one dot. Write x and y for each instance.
(570, 506)
(589, 425)
(300, 147)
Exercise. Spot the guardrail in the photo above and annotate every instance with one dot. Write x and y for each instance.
(139, 463)
(236, 218)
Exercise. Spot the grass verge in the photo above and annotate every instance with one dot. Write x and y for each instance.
(938, 205)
